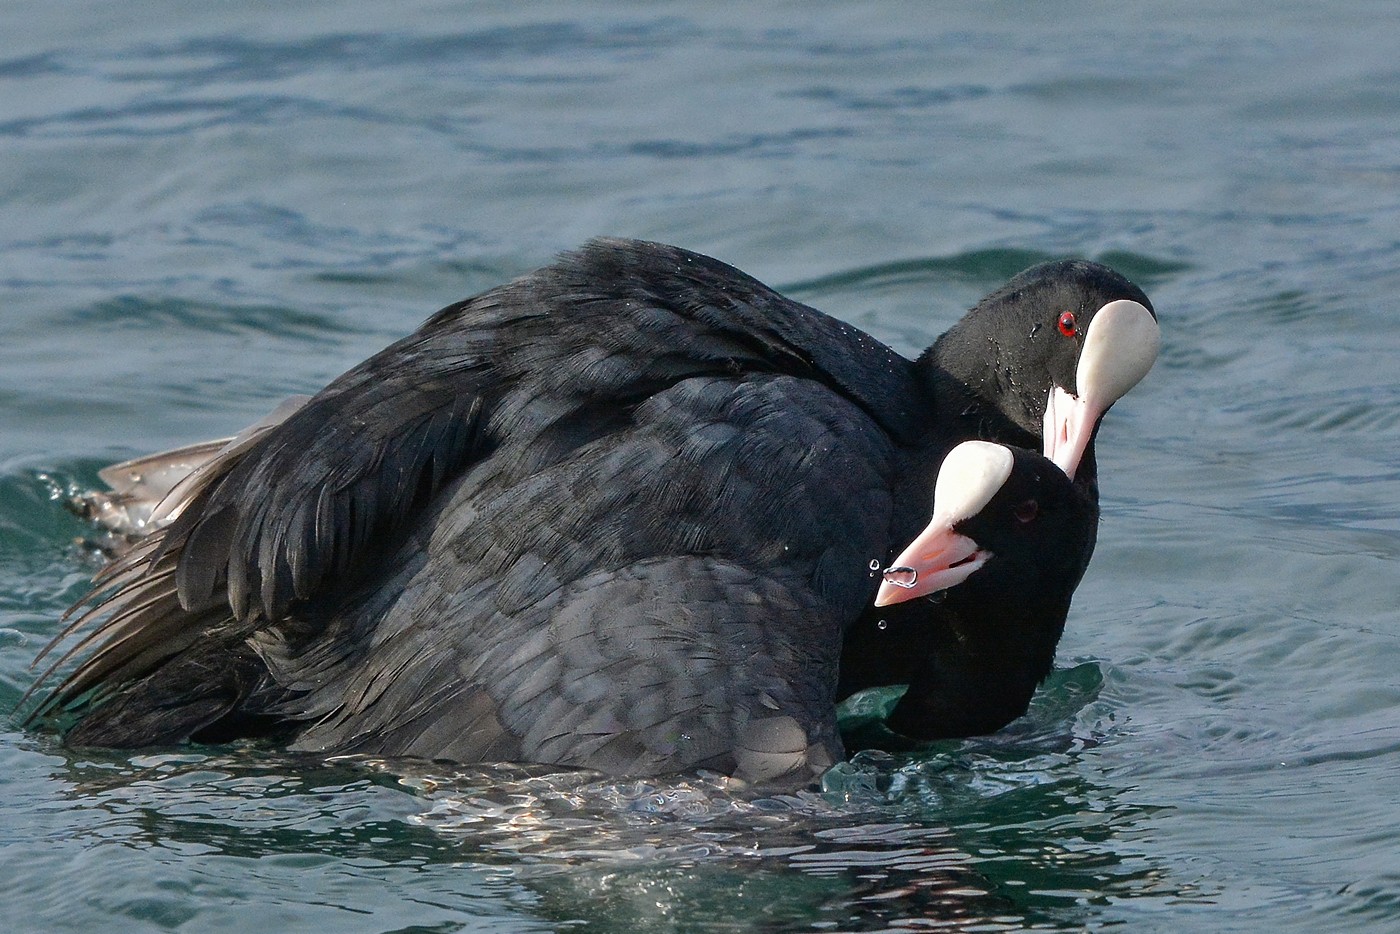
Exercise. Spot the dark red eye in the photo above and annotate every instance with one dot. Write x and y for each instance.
(1066, 324)
(1026, 512)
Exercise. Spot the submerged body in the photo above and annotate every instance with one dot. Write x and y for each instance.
(616, 514)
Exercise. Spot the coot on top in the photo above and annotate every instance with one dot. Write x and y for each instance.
(616, 514)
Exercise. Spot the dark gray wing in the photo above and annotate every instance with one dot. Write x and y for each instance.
(668, 598)
(569, 348)
(493, 392)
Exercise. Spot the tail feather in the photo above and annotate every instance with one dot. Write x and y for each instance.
(139, 499)
(161, 667)
(186, 699)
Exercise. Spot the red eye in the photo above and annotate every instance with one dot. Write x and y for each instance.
(1027, 511)
(1066, 324)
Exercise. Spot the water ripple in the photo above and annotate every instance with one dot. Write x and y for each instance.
(123, 313)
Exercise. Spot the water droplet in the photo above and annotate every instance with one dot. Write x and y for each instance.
(901, 577)
(882, 625)
(874, 564)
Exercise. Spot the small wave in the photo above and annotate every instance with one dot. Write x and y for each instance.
(1369, 410)
(907, 98)
(124, 312)
(983, 268)
(977, 266)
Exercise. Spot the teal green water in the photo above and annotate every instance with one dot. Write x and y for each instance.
(208, 208)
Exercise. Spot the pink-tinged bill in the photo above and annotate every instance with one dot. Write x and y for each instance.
(938, 559)
(1120, 346)
(1069, 426)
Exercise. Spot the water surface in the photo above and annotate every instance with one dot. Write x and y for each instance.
(208, 209)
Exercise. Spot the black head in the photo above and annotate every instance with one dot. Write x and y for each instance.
(1010, 539)
(1039, 529)
(1048, 353)
(1009, 528)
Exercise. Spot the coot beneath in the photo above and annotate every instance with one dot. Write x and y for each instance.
(970, 612)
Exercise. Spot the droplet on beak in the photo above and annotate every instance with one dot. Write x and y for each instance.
(901, 577)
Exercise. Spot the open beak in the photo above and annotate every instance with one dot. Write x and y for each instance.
(1119, 348)
(1069, 426)
(937, 559)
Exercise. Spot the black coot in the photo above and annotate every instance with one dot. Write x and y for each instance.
(615, 514)
(970, 612)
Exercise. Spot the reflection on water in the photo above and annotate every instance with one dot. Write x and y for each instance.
(988, 835)
(1026, 854)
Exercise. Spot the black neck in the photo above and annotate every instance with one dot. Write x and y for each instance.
(978, 673)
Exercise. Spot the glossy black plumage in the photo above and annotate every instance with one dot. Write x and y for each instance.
(992, 372)
(614, 514)
(972, 655)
